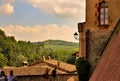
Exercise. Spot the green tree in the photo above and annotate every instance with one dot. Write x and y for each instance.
(83, 68)
(19, 60)
(3, 60)
(16, 51)
(72, 60)
(2, 33)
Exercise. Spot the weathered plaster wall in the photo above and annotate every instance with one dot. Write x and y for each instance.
(95, 44)
(91, 10)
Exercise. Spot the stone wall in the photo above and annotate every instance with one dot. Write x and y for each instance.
(108, 68)
(96, 41)
(62, 77)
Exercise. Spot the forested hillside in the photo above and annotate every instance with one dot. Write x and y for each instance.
(59, 42)
(13, 53)
(59, 45)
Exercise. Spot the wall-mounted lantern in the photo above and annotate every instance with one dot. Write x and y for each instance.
(76, 36)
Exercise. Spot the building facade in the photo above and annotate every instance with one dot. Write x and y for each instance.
(101, 18)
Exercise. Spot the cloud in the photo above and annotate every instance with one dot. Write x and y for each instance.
(64, 8)
(6, 7)
(40, 33)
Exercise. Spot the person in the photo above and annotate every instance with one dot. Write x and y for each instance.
(54, 74)
(46, 76)
(11, 76)
(3, 76)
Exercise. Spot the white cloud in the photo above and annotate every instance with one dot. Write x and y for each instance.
(6, 7)
(40, 33)
(65, 8)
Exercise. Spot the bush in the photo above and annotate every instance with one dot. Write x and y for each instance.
(83, 68)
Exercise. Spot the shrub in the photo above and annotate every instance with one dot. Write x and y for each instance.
(83, 68)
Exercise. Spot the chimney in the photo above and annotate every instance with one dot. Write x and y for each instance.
(43, 58)
(49, 58)
(58, 63)
(25, 63)
(77, 56)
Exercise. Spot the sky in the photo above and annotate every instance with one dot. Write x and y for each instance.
(39, 20)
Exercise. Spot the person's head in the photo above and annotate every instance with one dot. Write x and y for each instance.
(2, 73)
(11, 72)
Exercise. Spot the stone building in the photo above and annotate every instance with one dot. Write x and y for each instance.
(94, 34)
(35, 72)
(108, 69)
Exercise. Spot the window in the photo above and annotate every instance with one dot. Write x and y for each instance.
(103, 16)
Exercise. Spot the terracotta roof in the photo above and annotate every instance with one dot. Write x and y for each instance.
(108, 68)
(61, 66)
(32, 70)
(25, 70)
(40, 68)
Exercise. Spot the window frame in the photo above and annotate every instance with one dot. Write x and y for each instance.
(103, 14)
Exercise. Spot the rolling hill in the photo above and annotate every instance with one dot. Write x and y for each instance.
(59, 45)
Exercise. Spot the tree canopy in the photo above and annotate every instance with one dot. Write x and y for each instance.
(13, 53)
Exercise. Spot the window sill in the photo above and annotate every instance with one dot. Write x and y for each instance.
(104, 26)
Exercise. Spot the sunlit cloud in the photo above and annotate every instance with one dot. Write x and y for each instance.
(40, 33)
(64, 8)
(6, 7)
